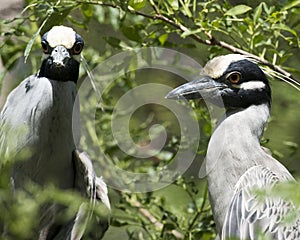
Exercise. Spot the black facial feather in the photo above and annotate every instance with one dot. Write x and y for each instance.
(70, 70)
(249, 71)
(78, 39)
(235, 97)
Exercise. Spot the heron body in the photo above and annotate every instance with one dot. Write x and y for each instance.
(237, 160)
(38, 119)
(236, 163)
(39, 128)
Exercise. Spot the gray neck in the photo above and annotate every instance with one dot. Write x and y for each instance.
(253, 119)
(238, 132)
(233, 148)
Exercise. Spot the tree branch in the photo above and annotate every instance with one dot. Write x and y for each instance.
(153, 220)
(211, 41)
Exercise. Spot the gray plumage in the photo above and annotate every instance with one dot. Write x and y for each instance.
(37, 121)
(39, 131)
(236, 164)
(240, 164)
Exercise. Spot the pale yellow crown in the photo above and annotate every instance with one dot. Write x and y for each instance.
(61, 36)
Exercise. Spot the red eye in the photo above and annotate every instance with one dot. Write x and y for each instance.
(77, 48)
(45, 47)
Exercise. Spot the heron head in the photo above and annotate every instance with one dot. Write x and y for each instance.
(232, 80)
(62, 47)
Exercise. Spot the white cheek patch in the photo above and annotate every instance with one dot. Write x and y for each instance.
(252, 85)
(61, 36)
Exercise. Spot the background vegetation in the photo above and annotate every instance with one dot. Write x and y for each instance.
(268, 30)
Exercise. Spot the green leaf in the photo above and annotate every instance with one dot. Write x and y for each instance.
(137, 4)
(285, 57)
(30, 43)
(132, 33)
(238, 10)
(291, 5)
(169, 226)
(257, 13)
(191, 32)
(118, 222)
(163, 38)
(174, 4)
(284, 27)
(186, 11)
(291, 145)
(87, 10)
(114, 42)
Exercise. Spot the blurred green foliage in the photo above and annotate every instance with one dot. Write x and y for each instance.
(268, 29)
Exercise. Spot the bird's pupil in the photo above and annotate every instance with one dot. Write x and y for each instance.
(45, 47)
(77, 48)
(234, 77)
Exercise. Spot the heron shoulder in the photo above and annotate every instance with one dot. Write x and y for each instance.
(250, 212)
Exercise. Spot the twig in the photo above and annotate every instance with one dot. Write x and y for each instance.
(200, 210)
(211, 41)
(153, 220)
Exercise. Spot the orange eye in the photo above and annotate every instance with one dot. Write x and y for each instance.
(234, 77)
(77, 48)
(45, 47)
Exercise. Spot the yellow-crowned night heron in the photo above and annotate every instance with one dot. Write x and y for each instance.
(36, 130)
(236, 164)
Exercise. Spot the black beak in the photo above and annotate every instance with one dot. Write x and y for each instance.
(203, 88)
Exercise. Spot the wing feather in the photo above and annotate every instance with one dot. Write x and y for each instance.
(249, 215)
(96, 190)
(18, 119)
